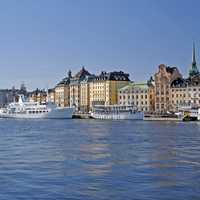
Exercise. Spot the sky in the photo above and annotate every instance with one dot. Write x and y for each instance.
(40, 40)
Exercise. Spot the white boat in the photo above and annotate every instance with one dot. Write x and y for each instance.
(34, 110)
(116, 112)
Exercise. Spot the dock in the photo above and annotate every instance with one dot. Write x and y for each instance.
(81, 116)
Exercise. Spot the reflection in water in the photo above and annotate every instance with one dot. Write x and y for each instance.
(96, 153)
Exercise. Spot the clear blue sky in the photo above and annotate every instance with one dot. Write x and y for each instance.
(41, 39)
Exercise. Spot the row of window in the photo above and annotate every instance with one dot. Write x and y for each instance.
(38, 111)
(133, 103)
(184, 89)
(129, 97)
(185, 102)
(184, 95)
(133, 91)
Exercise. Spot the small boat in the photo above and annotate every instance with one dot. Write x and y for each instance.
(189, 113)
(33, 110)
(116, 112)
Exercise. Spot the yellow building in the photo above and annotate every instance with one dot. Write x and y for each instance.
(85, 93)
(62, 92)
(51, 95)
(39, 96)
(78, 94)
(103, 89)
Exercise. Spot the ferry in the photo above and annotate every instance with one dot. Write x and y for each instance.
(116, 112)
(34, 110)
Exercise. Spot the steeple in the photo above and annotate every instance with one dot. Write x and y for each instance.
(193, 56)
(194, 69)
(69, 74)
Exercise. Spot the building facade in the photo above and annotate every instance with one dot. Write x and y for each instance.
(137, 94)
(76, 91)
(186, 91)
(51, 95)
(163, 79)
(103, 89)
(38, 95)
(62, 92)
(85, 93)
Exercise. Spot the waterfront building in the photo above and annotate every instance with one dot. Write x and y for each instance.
(163, 79)
(62, 92)
(187, 91)
(75, 88)
(104, 87)
(51, 95)
(85, 93)
(137, 94)
(38, 95)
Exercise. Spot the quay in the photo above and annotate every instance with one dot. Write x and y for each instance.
(146, 118)
(81, 116)
(162, 119)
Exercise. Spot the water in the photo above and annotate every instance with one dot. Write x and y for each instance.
(88, 159)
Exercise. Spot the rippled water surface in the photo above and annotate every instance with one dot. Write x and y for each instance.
(88, 159)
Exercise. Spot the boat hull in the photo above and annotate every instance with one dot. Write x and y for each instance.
(125, 116)
(57, 113)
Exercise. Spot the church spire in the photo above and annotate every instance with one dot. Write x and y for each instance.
(193, 56)
(194, 69)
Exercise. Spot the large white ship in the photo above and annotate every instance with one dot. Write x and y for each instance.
(116, 112)
(33, 110)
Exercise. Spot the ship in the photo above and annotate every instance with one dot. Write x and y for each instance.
(33, 110)
(116, 112)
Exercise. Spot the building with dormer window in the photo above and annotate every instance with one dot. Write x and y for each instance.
(104, 87)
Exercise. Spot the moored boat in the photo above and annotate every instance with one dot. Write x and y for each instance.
(116, 112)
(189, 112)
(34, 110)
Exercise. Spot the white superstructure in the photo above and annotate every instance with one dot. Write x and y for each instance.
(116, 112)
(24, 109)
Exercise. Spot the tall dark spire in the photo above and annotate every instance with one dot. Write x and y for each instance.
(194, 69)
(193, 56)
